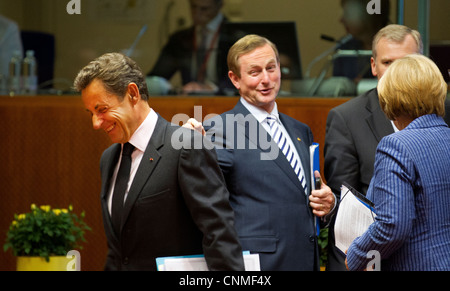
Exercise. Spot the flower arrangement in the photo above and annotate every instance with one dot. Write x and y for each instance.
(46, 232)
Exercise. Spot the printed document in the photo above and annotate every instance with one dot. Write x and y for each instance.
(355, 215)
(198, 263)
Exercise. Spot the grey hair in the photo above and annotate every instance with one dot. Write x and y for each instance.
(116, 71)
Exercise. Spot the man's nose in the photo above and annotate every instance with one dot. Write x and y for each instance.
(96, 122)
(265, 77)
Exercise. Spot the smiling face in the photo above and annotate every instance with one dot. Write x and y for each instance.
(109, 112)
(260, 77)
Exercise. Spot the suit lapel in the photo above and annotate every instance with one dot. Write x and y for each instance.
(148, 164)
(107, 174)
(108, 171)
(299, 139)
(281, 160)
(377, 120)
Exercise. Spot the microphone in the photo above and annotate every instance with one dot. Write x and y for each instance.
(136, 41)
(338, 45)
(327, 38)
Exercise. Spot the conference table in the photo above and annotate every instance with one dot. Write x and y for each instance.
(50, 154)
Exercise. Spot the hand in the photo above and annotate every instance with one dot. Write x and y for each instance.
(203, 88)
(195, 125)
(321, 200)
(346, 264)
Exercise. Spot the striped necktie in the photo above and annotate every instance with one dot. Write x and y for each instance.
(281, 140)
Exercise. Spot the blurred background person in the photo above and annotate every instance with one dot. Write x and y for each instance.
(363, 27)
(199, 52)
(10, 41)
(411, 180)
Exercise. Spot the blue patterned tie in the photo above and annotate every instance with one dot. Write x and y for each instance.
(281, 140)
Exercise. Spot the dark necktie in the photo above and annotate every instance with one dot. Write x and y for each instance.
(121, 186)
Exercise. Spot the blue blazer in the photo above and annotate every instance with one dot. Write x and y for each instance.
(272, 213)
(411, 192)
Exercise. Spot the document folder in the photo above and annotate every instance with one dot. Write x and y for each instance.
(355, 215)
(198, 263)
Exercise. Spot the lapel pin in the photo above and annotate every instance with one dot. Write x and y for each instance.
(299, 139)
(151, 159)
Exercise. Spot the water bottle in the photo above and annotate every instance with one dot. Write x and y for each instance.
(15, 82)
(29, 74)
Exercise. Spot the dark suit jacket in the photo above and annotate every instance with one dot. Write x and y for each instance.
(272, 212)
(353, 132)
(177, 56)
(177, 205)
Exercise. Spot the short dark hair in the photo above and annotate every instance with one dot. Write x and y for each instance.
(116, 71)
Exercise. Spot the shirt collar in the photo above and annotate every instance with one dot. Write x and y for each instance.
(258, 113)
(141, 136)
(214, 24)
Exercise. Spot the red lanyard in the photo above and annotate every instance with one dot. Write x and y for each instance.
(202, 71)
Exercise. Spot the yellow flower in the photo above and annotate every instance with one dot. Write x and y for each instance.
(46, 208)
(21, 216)
(64, 210)
(14, 223)
(33, 206)
(57, 211)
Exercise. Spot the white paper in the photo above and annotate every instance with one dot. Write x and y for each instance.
(251, 262)
(352, 220)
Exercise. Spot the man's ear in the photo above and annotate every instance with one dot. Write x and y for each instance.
(373, 65)
(234, 79)
(133, 93)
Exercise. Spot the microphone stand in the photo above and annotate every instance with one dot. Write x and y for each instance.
(336, 55)
(136, 41)
(339, 43)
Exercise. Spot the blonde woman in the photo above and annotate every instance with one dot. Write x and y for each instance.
(411, 183)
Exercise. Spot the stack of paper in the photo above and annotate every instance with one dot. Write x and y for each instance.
(355, 215)
(198, 263)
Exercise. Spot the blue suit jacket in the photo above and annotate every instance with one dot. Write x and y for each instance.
(411, 192)
(272, 214)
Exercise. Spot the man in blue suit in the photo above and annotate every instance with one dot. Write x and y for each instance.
(264, 156)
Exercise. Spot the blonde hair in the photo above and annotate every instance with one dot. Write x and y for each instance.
(246, 45)
(397, 33)
(412, 86)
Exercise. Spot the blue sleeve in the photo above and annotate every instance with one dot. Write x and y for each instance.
(393, 195)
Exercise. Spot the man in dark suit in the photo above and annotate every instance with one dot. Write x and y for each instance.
(355, 128)
(175, 200)
(198, 52)
(269, 184)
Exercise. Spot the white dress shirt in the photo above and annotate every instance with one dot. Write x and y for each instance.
(139, 140)
(212, 28)
(261, 115)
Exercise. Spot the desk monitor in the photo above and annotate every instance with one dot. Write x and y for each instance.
(440, 54)
(283, 34)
